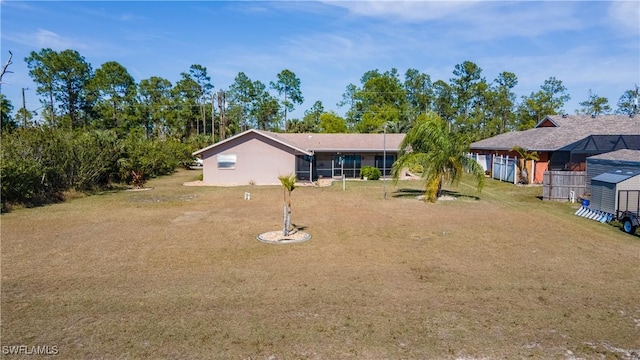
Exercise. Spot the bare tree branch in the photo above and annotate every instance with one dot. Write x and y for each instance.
(6, 65)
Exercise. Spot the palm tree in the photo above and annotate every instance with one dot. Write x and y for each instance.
(442, 155)
(288, 184)
(524, 156)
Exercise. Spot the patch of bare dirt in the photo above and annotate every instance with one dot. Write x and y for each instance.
(190, 217)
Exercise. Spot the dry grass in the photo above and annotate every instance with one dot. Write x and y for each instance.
(176, 272)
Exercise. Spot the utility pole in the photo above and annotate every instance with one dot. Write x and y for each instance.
(635, 102)
(221, 108)
(213, 119)
(24, 110)
(384, 161)
(202, 113)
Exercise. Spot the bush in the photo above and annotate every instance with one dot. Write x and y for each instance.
(40, 164)
(370, 172)
(93, 159)
(144, 158)
(30, 172)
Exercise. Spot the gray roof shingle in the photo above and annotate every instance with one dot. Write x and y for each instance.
(620, 155)
(311, 142)
(342, 142)
(568, 130)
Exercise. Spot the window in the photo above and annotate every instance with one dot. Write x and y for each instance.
(386, 164)
(226, 162)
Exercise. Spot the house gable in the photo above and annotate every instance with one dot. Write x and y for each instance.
(257, 159)
(252, 133)
(546, 122)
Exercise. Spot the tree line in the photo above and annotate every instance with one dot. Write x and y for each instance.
(99, 126)
(74, 96)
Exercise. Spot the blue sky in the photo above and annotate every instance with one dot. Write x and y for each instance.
(588, 45)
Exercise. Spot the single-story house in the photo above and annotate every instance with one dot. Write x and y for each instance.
(259, 157)
(563, 142)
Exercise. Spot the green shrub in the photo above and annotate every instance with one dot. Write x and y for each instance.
(93, 159)
(39, 164)
(27, 168)
(370, 172)
(143, 158)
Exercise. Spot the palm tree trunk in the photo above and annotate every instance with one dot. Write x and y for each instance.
(524, 176)
(285, 227)
(288, 223)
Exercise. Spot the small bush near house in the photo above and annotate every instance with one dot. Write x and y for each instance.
(370, 172)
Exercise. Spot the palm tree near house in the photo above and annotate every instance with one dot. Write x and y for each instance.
(288, 185)
(442, 155)
(524, 155)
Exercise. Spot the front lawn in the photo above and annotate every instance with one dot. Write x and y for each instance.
(177, 272)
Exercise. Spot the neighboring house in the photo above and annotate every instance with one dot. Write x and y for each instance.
(259, 157)
(563, 142)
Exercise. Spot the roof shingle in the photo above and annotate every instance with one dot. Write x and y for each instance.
(569, 129)
(311, 142)
(619, 155)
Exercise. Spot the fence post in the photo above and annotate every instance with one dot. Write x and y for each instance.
(493, 166)
(504, 168)
(533, 172)
(515, 169)
(550, 185)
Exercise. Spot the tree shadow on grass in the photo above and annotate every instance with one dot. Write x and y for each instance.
(299, 227)
(407, 193)
(457, 194)
(412, 193)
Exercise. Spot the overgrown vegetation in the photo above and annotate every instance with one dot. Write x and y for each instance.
(39, 164)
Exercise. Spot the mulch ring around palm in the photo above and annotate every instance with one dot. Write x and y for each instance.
(276, 237)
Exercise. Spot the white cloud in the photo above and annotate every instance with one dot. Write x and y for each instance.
(503, 20)
(49, 39)
(411, 11)
(43, 38)
(330, 48)
(474, 20)
(626, 16)
(580, 69)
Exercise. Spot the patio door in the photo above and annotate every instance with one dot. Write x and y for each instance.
(349, 165)
(384, 164)
(306, 167)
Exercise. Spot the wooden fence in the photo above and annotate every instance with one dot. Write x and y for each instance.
(562, 185)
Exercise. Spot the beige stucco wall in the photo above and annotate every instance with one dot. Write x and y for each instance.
(259, 161)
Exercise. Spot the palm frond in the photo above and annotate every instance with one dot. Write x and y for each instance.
(442, 155)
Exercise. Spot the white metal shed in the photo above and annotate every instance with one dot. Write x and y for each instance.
(617, 160)
(615, 188)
